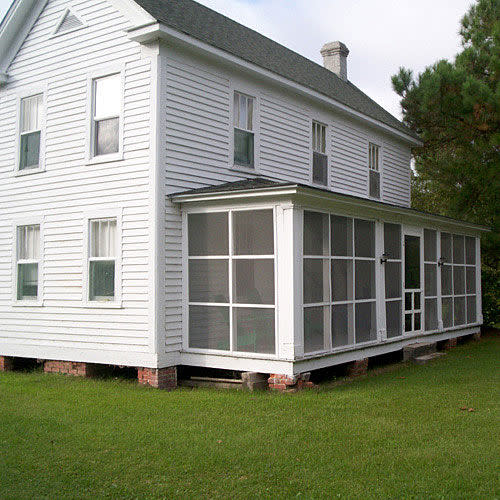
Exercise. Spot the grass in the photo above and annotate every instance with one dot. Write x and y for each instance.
(400, 434)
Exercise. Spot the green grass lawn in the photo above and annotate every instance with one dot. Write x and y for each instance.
(401, 434)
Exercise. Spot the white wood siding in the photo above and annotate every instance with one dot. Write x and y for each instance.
(69, 188)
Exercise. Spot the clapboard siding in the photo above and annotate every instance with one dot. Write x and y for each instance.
(396, 178)
(69, 188)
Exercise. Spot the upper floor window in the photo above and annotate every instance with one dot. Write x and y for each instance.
(106, 110)
(28, 254)
(320, 157)
(244, 136)
(30, 132)
(374, 169)
(102, 259)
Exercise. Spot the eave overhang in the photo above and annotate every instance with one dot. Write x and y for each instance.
(151, 32)
(310, 197)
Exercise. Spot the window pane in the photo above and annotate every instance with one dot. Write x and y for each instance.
(471, 310)
(31, 113)
(459, 311)
(243, 117)
(30, 151)
(107, 136)
(458, 249)
(408, 301)
(254, 330)
(341, 236)
(243, 148)
(102, 280)
(208, 281)
(27, 281)
(392, 280)
(103, 238)
(253, 281)
(416, 300)
(342, 325)
(249, 123)
(446, 280)
(209, 327)
(408, 322)
(458, 280)
(253, 232)
(364, 238)
(470, 250)
(28, 242)
(471, 279)
(374, 184)
(392, 240)
(430, 280)
(446, 247)
(430, 251)
(107, 96)
(412, 262)
(417, 321)
(314, 320)
(341, 280)
(208, 234)
(366, 323)
(365, 279)
(320, 168)
(393, 318)
(315, 233)
(431, 319)
(314, 286)
(447, 305)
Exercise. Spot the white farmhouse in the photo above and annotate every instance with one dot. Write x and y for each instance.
(178, 189)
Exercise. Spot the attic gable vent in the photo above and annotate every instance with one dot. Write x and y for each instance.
(68, 22)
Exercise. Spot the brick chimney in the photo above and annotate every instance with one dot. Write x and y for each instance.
(335, 58)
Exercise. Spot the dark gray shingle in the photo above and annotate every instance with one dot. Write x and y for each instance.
(208, 26)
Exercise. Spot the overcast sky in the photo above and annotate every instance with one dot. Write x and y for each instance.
(381, 35)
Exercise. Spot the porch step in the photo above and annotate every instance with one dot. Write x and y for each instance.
(426, 358)
(218, 383)
(413, 351)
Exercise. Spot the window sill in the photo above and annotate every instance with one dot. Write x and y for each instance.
(243, 168)
(96, 160)
(27, 303)
(28, 171)
(102, 305)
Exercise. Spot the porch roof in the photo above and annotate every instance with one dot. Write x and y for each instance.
(260, 186)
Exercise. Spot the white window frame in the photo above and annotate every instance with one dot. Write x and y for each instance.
(372, 142)
(326, 152)
(230, 304)
(88, 218)
(253, 94)
(30, 92)
(91, 159)
(330, 303)
(32, 221)
(71, 10)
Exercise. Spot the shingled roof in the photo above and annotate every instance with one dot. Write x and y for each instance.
(208, 26)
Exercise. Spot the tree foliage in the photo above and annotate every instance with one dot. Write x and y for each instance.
(455, 107)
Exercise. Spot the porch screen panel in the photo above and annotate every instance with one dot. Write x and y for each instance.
(231, 281)
(393, 279)
(430, 280)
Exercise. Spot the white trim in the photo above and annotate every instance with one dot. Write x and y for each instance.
(380, 161)
(19, 222)
(103, 72)
(158, 30)
(116, 213)
(314, 119)
(72, 11)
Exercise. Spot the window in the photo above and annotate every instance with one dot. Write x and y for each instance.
(374, 169)
(231, 281)
(28, 255)
(30, 132)
(102, 260)
(243, 113)
(320, 157)
(458, 279)
(338, 281)
(106, 110)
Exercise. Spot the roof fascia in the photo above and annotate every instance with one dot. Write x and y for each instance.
(14, 29)
(158, 31)
(306, 195)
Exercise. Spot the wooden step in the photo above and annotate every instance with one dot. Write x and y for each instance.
(426, 358)
(413, 351)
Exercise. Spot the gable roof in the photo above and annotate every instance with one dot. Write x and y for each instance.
(208, 26)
